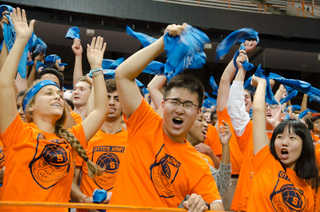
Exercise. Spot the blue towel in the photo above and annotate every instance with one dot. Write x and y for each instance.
(214, 86)
(40, 46)
(145, 40)
(155, 68)
(208, 102)
(246, 65)
(73, 33)
(314, 94)
(184, 51)
(99, 196)
(142, 87)
(289, 96)
(299, 85)
(239, 35)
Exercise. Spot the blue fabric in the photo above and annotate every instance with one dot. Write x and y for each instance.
(109, 67)
(248, 86)
(246, 65)
(40, 46)
(269, 94)
(299, 85)
(35, 90)
(1, 45)
(30, 63)
(142, 87)
(155, 68)
(289, 96)
(145, 40)
(303, 114)
(52, 58)
(214, 86)
(40, 64)
(239, 35)
(99, 196)
(184, 51)
(287, 116)
(314, 94)
(294, 107)
(73, 33)
(208, 102)
(32, 42)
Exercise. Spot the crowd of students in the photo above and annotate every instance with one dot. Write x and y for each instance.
(171, 154)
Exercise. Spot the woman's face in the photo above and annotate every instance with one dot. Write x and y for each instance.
(288, 146)
(20, 109)
(197, 133)
(48, 102)
(316, 126)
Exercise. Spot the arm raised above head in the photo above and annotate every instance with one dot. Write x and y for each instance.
(23, 31)
(126, 73)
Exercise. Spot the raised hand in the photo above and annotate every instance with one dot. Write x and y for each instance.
(224, 133)
(175, 30)
(19, 20)
(95, 52)
(250, 45)
(77, 47)
(241, 58)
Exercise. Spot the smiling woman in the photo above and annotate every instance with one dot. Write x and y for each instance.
(45, 149)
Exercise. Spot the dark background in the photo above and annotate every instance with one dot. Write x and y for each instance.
(289, 46)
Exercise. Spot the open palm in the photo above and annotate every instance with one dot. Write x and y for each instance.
(19, 20)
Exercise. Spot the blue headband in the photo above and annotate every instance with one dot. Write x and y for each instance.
(34, 90)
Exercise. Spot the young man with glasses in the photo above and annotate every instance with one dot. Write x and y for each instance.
(160, 167)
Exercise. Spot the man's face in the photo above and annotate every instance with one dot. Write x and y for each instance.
(247, 100)
(114, 105)
(81, 92)
(273, 115)
(178, 118)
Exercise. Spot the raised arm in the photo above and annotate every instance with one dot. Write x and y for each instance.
(154, 87)
(260, 138)
(24, 31)
(77, 50)
(95, 119)
(129, 94)
(4, 50)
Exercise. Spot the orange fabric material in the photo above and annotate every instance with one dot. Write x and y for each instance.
(1, 165)
(156, 171)
(105, 150)
(76, 117)
(38, 165)
(213, 140)
(208, 159)
(276, 189)
(315, 137)
(241, 195)
(236, 155)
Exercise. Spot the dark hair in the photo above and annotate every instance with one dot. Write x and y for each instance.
(315, 118)
(309, 123)
(251, 97)
(51, 71)
(111, 85)
(21, 93)
(70, 103)
(306, 167)
(188, 81)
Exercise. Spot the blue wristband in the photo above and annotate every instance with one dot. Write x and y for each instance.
(93, 71)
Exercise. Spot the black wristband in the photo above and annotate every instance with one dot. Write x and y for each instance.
(208, 205)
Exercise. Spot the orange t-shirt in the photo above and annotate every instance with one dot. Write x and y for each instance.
(105, 150)
(213, 140)
(236, 154)
(315, 137)
(276, 189)
(241, 194)
(1, 166)
(39, 165)
(156, 171)
(76, 117)
(208, 159)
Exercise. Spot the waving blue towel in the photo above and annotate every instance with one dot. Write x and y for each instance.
(99, 196)
(209, 102)
(155, 68)
(214, 86)
(239, 35)
(289, 96)
(246, 65)
(145, 40)
(73, 33)
(40, 46)
(314, 94)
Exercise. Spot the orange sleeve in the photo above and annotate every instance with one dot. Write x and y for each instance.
(76, 117)
(236, 154)
(213, 140)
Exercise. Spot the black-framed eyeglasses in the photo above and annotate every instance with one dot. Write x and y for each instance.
(176, 103)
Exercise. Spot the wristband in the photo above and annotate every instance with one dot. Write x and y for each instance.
(85, 198)
(95, 70)
(208, 205)
(96, 73)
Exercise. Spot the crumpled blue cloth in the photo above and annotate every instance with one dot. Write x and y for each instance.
(239, 35)
(145, 40)
(99, 196)
(32, 42)
(209, 102)
(9, 36)
(299, 85)
(289, 96)
(40, 64)
(184, 51)
(214, 86)
(304, 113)
(51, 59)
(269, 94)
(155, 68)
(73, 33)
(41, 47)
(314, 94)
(246, 65)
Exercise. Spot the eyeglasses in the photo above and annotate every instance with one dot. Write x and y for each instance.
(176, 103)
(275, 106)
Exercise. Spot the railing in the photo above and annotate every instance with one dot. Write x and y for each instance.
(268, 7)
(86, 206)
